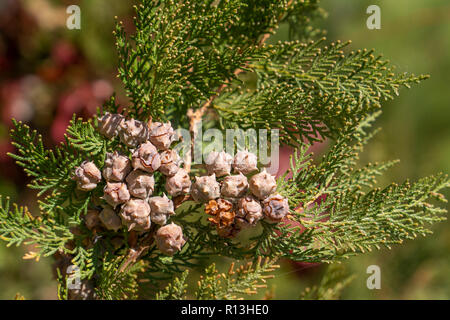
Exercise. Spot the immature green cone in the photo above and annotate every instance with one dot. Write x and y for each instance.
(87, 176)
(161, 209)
(205, 188)
(116, 167)
(146, 158)
(135, 215)
(169, 239)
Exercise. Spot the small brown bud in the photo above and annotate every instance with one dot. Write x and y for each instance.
(133, 132)
(116, 193)
(219, 163)
(275, 208)
(76, 231)
(249, 212)
(178, 184)
(230, 231)
(110, 219)
(263, 184)
(135, 215)
(205, 188)
(161, 209)
(87, 176)
(91, 219)
(117, 242)
(109, 124)
(245, 162)
(140, 184)
(222, 211)
(117, 167)
(162, 135)
(234, 186)
(169, 239)
(146, 158)
(170, 162)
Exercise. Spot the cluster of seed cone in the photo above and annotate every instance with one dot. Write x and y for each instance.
(128, 193)
(241, 200)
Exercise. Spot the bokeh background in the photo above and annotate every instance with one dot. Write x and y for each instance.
(48, 72)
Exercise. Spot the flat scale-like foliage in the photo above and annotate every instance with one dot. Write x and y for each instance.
(196, 57)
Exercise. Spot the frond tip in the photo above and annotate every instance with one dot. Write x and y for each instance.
(237, 282)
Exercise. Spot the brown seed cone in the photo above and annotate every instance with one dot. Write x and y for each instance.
(109, 124)
(161, 209)
(116, 167)
(169, 239)
(140, 184)
(161, 135)
(234, 186)
(87, 175)
(91, 219)
(178, 184)
(249, 212)
(219, 163)
(263, 184)
(133, 132)
(245, 162)
(170, 163)
(146, 158)
(110, 219)
(205, 188)
(222, 211)
(116, 193)
(135, 215)
(230, 231)
(275, 208)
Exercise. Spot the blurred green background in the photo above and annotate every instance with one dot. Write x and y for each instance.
(49, 72)
(415, 36)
